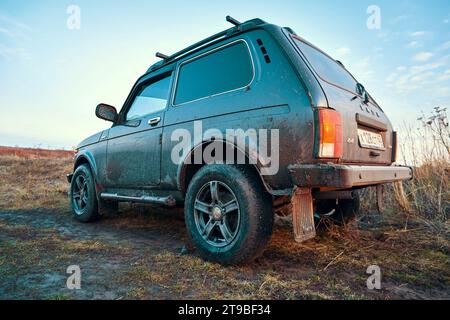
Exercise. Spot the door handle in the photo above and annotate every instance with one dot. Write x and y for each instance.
(154, 121)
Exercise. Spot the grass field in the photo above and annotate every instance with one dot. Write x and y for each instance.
(137, 254)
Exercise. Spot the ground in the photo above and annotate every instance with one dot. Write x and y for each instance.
(138, 253)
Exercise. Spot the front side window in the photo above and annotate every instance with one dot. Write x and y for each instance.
(150, 98)
(220, 71)
(327, 68)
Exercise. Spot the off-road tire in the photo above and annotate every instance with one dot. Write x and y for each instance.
(256, 214)
(88, 211)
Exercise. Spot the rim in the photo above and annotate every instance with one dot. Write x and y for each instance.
(80, 194)
(217, 214)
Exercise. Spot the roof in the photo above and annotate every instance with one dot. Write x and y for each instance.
(239, 28)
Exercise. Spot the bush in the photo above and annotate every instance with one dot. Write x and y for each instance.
(426, 149)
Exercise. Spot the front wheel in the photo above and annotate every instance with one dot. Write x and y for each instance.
(228, 214)
(83, 196)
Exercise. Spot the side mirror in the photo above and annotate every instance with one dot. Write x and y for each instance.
(106, 112)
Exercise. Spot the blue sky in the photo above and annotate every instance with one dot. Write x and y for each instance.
(51, 78)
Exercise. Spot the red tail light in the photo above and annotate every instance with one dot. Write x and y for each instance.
(394, 146)
(330, 134)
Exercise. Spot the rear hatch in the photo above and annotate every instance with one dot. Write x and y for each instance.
(367, 136)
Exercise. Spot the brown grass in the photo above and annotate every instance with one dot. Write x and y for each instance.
(35, 153)
(425, 147)
(412, 248)
(27, 182)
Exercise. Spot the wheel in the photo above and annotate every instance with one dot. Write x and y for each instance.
(228, 214)
(82, 195)
(338, 211)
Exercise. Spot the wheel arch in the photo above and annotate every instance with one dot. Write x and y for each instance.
(85, 158)
(88, 158)
(186, 169)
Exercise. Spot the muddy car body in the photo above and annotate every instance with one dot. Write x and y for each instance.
(333, 140)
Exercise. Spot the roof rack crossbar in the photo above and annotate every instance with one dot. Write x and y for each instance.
(197, 45)
(223, 34)
(162, 56)
(233, 21)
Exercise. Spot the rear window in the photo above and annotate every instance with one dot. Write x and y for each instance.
(220, 71)
(327, 68)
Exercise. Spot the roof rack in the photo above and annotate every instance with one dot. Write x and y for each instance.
(223, 34)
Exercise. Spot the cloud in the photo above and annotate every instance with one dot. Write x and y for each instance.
(14, 23)
(363, 70)
(400, 18)
(418, 34)
(425, 67)
(17, 35)
(414, 45)
(422, 77)
(7, 32)
(445, 46)
(445, 76)
(10, 53)
(426, 77)
(342, 51)
(422, 56)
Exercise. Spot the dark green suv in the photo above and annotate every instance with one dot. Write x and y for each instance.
(327, 139)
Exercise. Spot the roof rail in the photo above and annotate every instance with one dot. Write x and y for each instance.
(223, 34)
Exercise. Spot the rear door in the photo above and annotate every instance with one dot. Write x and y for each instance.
(367, 132)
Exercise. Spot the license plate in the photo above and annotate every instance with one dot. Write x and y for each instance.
(371, 140)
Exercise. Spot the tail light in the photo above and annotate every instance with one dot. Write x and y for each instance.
(330, 134)
(394, 146)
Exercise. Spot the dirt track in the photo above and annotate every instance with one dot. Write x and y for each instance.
(136, 254)
(103, 251)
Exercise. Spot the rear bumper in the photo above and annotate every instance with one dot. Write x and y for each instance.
(346, 176)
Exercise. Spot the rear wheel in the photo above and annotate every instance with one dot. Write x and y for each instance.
(228, 214)
(338, 211)
(83, 196)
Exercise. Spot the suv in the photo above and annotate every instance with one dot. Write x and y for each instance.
(332, 139)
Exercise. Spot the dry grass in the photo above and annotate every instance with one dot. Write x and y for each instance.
(28, 183)
(332, 266)
(29, 153)
(425, 147)
(140, 254)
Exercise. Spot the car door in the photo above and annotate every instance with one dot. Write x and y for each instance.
(134, 147)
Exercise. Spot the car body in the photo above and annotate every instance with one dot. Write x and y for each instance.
(254, 75)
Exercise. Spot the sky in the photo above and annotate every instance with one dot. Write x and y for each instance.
(54, 70)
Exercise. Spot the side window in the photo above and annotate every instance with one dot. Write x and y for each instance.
(220, 71)
(150, 98)
(327, 68)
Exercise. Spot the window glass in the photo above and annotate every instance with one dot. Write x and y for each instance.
(221, 71)
(151, 98)
(326, 67)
